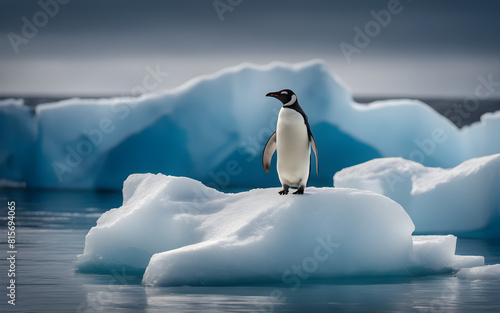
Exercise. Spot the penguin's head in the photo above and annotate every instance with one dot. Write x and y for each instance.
(286, 96)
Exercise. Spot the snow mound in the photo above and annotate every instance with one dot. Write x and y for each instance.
(486, 272)
(180, 232)
(462, 200)
(214, 128)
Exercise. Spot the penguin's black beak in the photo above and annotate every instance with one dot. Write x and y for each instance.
(272, 94)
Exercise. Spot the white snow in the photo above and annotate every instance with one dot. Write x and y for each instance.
(184, 233)
(486, 272)
(213, 129)
(460, 200)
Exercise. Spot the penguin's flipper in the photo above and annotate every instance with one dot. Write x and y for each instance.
(315, 149)
(269, 149)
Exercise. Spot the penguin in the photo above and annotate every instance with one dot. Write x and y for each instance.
(293, 140)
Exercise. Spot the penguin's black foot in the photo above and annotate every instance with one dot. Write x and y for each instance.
(299, 191)
(284, 191)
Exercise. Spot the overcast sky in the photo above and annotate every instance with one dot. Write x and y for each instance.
(104, 47)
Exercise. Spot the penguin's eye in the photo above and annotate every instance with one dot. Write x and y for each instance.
(284, 92)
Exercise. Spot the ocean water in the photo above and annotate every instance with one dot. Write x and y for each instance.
(51, 232)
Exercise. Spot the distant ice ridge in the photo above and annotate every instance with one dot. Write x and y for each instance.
(181, 232)
(464, 200)
(4, 183)
(213, 129)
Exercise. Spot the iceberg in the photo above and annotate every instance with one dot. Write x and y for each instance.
(178, 231)
(18, 138)
(486, 272)
(213, 129)
(463, 200)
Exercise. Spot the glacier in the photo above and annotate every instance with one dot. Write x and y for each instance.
(463, 200)
(214, 127)
(176, 231)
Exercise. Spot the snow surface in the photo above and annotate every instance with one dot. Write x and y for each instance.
(214, 128)
(462, 200)
(180, 232)
(486, 272)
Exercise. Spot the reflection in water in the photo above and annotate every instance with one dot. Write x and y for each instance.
(111, 297)
(206, 299)
(421, 295)
(442, 296)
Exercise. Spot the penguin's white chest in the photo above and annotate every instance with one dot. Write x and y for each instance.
(293, 148)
